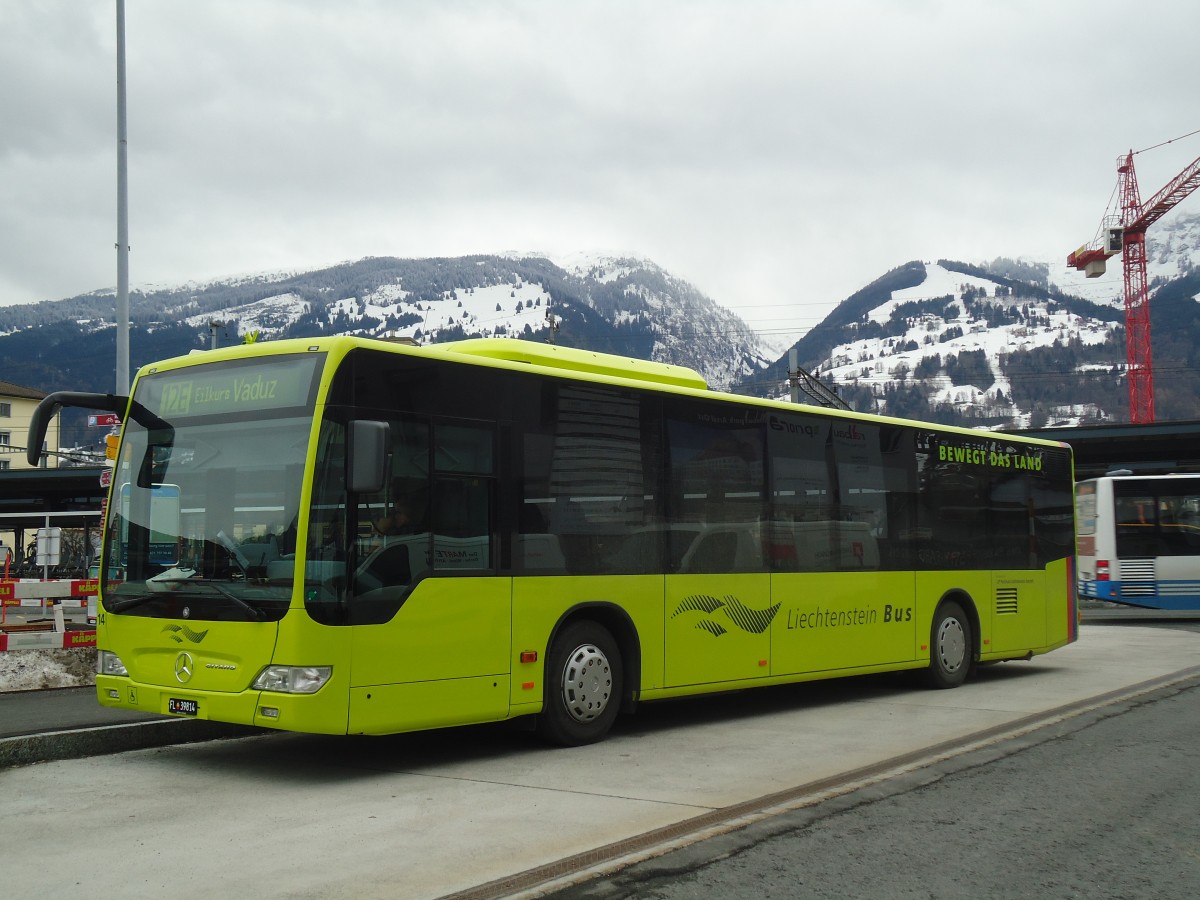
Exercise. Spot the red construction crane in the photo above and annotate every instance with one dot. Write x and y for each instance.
(1127, 232)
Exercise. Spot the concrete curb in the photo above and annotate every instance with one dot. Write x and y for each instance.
(26, 749)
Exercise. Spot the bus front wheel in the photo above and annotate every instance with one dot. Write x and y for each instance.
(582, 685)
(951, 648)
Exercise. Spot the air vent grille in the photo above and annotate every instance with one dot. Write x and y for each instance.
(1137, 578)
(1006, 601)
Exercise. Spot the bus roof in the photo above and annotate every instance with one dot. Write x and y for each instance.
(510, 352)
(574, 360)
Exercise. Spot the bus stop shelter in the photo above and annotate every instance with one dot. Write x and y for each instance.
(37, 498)
(1156, 449)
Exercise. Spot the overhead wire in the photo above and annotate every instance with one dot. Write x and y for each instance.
(1164, 143)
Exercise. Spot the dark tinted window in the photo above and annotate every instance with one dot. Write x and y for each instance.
(377, 380)
(717, 501)
(589, 495)
(843, 495)
(990, 503)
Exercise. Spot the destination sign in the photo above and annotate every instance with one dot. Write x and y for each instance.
(222, 388)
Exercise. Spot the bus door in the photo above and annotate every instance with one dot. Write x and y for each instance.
(431, 621)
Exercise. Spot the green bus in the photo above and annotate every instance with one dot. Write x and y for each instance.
(348, 535)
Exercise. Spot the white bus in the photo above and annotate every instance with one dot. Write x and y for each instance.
(1139, 540)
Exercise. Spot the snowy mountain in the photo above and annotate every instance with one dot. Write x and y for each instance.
(626, 306)
(1008, 343)
(946, 318)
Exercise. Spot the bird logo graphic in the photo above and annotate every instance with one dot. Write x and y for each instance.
(721, 611)
(178, 632)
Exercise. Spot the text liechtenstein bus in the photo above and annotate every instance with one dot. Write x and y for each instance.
(1139, 540)
(353, 536)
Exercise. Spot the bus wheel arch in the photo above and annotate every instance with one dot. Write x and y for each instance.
(591, 659)
(953, 641)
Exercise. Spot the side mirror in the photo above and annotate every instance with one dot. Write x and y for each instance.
(40, 420)
(367, 456)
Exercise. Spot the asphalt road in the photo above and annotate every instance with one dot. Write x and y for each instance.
(1100, 806)
(57, 709)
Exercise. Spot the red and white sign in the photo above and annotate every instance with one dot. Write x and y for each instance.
(20, 592)
(47, 640)
(107, 420)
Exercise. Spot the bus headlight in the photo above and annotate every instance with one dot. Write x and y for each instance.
(292, 679)
(108, 663)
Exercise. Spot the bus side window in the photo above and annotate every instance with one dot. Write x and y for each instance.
(463, 496)
(717, 483)
(462, 533)
(800, 535)
(589, 488)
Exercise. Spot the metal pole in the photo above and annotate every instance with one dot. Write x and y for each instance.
(122, 213)
(45, 565)
(794, 374)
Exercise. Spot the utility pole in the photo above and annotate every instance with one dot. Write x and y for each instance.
(122, 213)
(794, 374)
(815, 390)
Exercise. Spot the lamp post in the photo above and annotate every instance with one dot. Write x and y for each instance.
(122, 386)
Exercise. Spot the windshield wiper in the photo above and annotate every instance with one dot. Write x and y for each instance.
(220, 589)
(121, 604)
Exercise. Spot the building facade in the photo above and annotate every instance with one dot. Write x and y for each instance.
(17, 404)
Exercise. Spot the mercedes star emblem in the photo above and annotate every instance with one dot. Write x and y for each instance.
(183, 667)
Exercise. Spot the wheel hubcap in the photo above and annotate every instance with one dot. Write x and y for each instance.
(587, 683)
(952, 645)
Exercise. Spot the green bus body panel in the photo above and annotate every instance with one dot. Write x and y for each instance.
(447, 628)
(393, 708)
(840, 620)
(444, 658)
(1018, 620)
(718, 628)
(226, 657)
(303, 642)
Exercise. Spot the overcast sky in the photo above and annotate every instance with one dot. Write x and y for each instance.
(778, 155)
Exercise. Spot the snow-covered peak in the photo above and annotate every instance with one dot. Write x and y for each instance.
(939, 282)
(603, 267)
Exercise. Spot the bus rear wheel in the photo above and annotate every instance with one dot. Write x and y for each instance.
(583, 683)
(951, 647)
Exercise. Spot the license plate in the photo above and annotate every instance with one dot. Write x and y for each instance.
(183, 707)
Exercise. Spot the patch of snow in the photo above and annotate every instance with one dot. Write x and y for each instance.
(939, 282)
(602, 267)
(31, 670)
(269, 315)
(880, 362)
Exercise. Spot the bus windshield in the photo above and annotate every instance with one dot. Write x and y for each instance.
(205, 505)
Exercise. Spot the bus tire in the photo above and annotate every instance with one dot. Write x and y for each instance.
(951, 647)
(583, 684)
